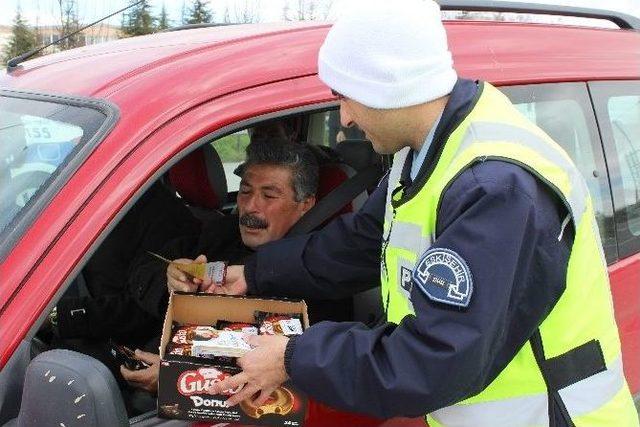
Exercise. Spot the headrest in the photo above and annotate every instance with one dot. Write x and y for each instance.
(331, 176)
(334, 169)
(199, 178)
(357, 153)
(63, 387)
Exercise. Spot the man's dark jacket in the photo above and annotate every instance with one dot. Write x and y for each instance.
(101, 307)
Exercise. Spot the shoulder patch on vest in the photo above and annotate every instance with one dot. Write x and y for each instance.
(443, 276)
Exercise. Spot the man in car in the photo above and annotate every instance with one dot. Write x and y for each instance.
(493, 281)
(110, 299)
(278, 186)
(279, 180)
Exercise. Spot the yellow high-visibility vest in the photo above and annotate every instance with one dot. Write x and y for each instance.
(583, 318)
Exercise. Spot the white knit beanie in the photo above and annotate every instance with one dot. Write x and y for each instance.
(388, 54)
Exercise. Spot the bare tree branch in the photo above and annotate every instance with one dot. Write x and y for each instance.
(247, 11)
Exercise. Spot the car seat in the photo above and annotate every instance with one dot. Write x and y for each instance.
(358, 153)
(66, 388)
(199, 179)
(333, 171)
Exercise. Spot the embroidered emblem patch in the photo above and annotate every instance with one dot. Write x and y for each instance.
(443, 276)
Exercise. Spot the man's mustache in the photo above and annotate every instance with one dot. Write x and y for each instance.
(252, 221)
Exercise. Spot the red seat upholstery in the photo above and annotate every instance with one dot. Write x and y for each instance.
(331, 176)
(333, 171)
(199, 179)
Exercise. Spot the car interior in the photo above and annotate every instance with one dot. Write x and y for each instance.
(206, 181)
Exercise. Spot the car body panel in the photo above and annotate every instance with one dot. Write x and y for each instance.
(625, 286)
(125, 60)
(506, 54)
(499, 52)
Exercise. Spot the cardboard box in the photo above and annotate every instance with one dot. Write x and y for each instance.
(183, 382)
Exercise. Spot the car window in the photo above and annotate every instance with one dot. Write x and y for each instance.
(618, 109)
(37, 139)
(325, 129)
(231, 149)
(564, 112)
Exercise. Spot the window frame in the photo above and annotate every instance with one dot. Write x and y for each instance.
(209, 138)
(601, 92)
(10, 236)
(578, 92)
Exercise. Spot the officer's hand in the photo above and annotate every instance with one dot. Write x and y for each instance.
(145, 379)
(180, 281)
(234, 283)
(262, 371)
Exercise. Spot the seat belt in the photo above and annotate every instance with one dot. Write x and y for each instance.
(337, 199)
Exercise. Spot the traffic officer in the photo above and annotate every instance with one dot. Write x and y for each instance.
(494, 284)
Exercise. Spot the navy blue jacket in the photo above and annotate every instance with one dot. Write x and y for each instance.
(498, 217)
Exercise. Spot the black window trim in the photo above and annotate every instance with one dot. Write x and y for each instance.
(12, 234)
(600, 92)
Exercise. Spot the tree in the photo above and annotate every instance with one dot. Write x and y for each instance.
(163, 20)
(23, 38)
(226, 18)
(247, 12)
(304, 10)
(137, 21)
(199, 13)
(68, 24)
(183, 13)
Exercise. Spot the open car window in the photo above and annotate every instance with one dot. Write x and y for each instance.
(231, 149)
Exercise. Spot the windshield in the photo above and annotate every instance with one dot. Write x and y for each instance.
(37, 139)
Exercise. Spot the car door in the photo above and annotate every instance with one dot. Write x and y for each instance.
(75, 242)
(47, 271)
(225, 117)
(565, 111)
(617, 107)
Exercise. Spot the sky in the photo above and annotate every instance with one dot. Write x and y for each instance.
(46, 12)
(91, 10)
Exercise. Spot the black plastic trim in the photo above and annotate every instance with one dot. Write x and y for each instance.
(601, 92)
(622, 20)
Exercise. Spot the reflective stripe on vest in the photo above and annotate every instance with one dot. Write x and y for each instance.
(394, 177)
(484, 133)
(532, 410)
(409, 237)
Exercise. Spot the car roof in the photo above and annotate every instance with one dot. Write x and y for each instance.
(102, 69)
(175, 67)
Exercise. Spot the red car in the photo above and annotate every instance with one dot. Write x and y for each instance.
(84, 133)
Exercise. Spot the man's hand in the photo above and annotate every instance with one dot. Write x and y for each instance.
(234, 283)
(180, 281)
(262, 370)
(146, 379)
